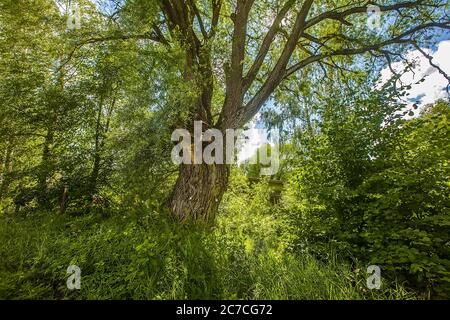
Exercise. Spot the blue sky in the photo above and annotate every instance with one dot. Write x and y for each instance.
(429, 91)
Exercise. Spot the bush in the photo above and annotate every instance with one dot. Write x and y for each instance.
(390, 209)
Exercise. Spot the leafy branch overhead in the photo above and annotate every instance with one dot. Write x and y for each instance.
(267, 42)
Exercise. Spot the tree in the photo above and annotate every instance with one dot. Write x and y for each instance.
(45, 106)
(235, 54)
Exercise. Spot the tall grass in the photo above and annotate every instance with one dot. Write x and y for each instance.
(145, 257)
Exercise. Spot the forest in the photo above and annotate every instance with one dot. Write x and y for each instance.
(224, 149)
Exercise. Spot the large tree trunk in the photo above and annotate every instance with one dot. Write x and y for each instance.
(198, 192)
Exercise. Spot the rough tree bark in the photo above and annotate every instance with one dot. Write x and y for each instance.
(198, 192)
(199, 188)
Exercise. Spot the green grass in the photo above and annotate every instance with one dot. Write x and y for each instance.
(143, 257)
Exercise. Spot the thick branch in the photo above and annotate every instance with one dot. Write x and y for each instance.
(276, 75)
(216, 5)
(199, 18)
(234, 74)
(354, 51)
(340, 16)
(265, 46)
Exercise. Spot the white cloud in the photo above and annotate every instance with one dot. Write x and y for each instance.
(433, 88)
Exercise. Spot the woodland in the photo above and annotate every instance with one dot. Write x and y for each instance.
(91, 92)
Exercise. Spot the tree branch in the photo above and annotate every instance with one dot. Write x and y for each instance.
(353, 51)
(216, 6)
(265, 46)
(234, 74)
(276, 75)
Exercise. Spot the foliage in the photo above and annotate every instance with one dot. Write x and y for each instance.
(384, 202)
(144, 256)
(86, 118)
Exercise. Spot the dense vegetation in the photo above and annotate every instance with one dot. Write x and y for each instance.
(86, 176)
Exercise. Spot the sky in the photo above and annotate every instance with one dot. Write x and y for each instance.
(423, 93)
(256, 137)
(433, 88)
